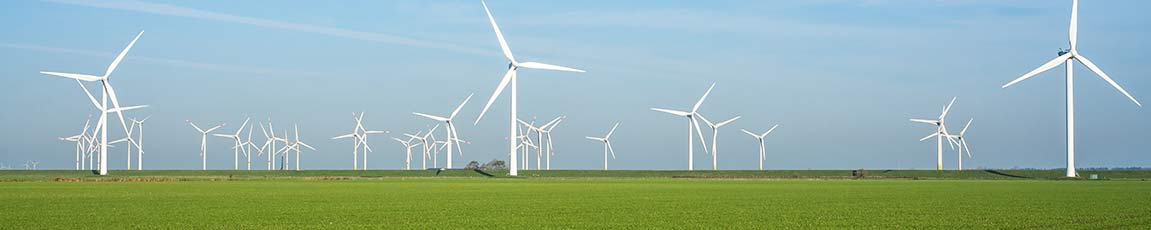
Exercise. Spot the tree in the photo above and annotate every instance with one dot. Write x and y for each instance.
(472, 165)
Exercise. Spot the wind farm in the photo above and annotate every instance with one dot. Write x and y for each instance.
(854, 86)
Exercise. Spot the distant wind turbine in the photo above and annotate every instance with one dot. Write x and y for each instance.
(690, 123)
(606, 144)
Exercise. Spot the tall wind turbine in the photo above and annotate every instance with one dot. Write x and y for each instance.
(450, 127)
(270, 140)
(109, 93)
(1066, 57)
(80, 139)
(760, 138)
(606, 144)
(690, 123)
(510, 77)
(238, 144)
(715, 138)
(204, 142)
(961, 141)
(939, 134)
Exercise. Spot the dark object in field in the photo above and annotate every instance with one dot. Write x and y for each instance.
(858, 173)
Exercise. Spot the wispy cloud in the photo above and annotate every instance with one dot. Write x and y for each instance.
(180, 11)
(164, 61)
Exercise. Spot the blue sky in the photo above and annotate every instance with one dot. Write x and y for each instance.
(840, 77)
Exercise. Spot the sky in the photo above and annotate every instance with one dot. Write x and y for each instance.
(840, 77)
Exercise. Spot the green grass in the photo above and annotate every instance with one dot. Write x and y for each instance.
(589, 203)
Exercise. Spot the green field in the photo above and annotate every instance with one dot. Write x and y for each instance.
(573, 199)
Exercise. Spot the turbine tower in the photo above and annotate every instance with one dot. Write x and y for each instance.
(760, 138)
(450, 127)
(715, 138)
(238, 143)
(939, 134)
(961, 141)
(1066, 57)
(606, 144)
(204, 143)
(510, 77)
(690, 123)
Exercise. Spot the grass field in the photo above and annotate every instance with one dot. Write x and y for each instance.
(573, 199)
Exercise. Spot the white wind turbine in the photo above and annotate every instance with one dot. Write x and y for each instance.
(79, 139)
(715, 138)
(139, 143)
(204, 143)
(940, 133)
(539, 141)
(606, 144)
(359, 137)
(1066, 57)
(109, 93)
(762, 143)
(961, 141)
(270, 140)
(295, 145)
(547, 132)
(238, 144)
(450, 127)
(510, 77)
(248, 147)
(690, 123)
(408, 145)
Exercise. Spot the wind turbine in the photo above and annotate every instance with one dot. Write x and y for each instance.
(238, 144)
(79, 139)
(270, 140)
(295, 145)
(962, 143)
(539, 140)
(1066, 58)
(408, 145)
(691, 122)
(204, 142)
(451, 128)
(140, 143)
(760, 138)
(109, 93)
(940, 133)
(248, 148)
(715, 137)
(606, 144)
(547, 131)
(510, 77)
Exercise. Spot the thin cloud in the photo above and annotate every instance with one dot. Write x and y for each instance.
(179, 11)
(165, 61)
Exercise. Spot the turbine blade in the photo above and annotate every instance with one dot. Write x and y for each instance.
(542, 66)
(673, 112)
(612, 131)
(82, 77)
(1046, 66)
(700, 102)
(728, 121)
(705, 120)
(948, 108)
(499, 35)
(769, 130)
(1091, 65)
(965, 147)
(1073, 30)
(499, 89)
(433, 117)
(929, 136)
(120, 57)
(961, 132)
(610, 149)
(925, 121)
(458, 108)
(749, 133)
(699, 132)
